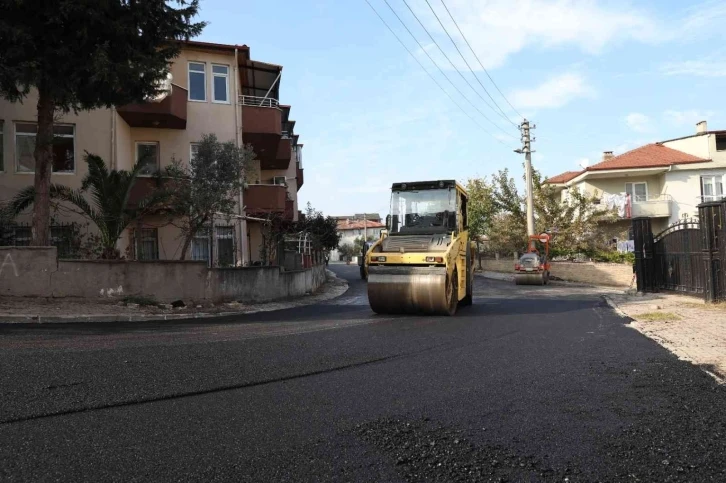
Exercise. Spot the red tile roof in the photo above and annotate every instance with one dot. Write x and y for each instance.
(358, 224)
(563, 177)
(648, 156)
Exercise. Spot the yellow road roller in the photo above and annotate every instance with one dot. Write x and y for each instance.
(423, 263)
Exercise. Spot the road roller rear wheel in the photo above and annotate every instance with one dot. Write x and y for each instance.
(452, 294)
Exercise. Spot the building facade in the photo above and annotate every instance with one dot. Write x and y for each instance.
(354, 227)
(665, 181)
(214, 88)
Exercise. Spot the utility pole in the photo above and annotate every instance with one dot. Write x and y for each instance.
(365, 229)
(527, 150)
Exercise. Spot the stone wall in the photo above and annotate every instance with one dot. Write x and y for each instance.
(36, 272)
(612, 274)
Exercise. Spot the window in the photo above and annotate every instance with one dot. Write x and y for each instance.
(711, 187)
(638, 191)
(2, 165)
(197, 82)
(225, 245)
(220, 83)
(279, 180)
(147, 244)
(63, 147)
(200, 245)
(193, 150)
(720, 142)
(147, 153)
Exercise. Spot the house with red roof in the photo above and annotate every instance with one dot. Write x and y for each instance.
(357, 226)
(665, 180)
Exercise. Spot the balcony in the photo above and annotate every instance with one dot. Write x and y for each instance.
(143, 187)
(262, 127)
(289, 210)
(656, 206)
(265, 199)
(170, 113)
(299, 176)
(261, 115)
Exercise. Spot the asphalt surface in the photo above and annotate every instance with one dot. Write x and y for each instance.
(528, 384)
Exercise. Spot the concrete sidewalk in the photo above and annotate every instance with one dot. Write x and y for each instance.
(34, 310)
(686, 326)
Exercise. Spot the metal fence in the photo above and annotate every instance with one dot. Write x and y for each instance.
(255, 101)
(297, 252)
(66, 237)
(687, 257)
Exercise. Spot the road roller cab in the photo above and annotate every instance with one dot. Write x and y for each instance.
(423, 264)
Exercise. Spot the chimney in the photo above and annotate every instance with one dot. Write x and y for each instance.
(701, 127)
(607, 155)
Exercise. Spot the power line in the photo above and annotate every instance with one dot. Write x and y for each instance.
(504, 115)
(433, 78)
(444, 74)
(477, 59)
(450, 62)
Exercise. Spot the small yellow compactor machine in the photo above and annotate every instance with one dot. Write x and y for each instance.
(423, 263)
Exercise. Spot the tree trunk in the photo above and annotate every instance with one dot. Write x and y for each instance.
(185, 247)
(43, 167)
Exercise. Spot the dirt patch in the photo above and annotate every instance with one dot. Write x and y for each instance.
(692, 330)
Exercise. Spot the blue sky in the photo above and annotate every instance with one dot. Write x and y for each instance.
(592, 75)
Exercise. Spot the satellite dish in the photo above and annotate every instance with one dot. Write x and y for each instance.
(164, 87)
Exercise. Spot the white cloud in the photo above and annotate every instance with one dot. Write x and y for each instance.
(638, 122)
(497, 29)
(696, 68)
(554, 92)
(687, 117)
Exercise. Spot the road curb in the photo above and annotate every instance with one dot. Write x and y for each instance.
(616, 308)
(331, 281)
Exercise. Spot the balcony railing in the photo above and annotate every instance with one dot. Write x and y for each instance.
(256, 101)
(654, 206)
(263, 199)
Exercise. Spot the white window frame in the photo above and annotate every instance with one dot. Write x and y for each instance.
(226, 84)
(15, 146)
(713, 178)
(189, 80)
(158, 155)
(191, 151)
(276, 180)
(632, 190)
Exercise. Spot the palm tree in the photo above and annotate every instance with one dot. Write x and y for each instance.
(109, 191)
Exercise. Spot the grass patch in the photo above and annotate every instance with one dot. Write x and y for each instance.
(141, 301)
(657, 316)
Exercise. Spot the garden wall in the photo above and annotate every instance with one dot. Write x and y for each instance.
(36, 272)
(593, 273)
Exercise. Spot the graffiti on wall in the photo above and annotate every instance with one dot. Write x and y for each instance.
(9, 263)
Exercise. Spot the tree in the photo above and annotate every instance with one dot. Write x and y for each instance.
(323, 229)
(574, 224)
(347, 252)
(208, 187)
(110, 209)
(358, 244)
(82, 55)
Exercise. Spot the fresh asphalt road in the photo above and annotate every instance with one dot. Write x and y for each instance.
(528, 384)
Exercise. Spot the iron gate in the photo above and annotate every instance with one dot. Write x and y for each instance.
(688, 257)
(677, 259)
